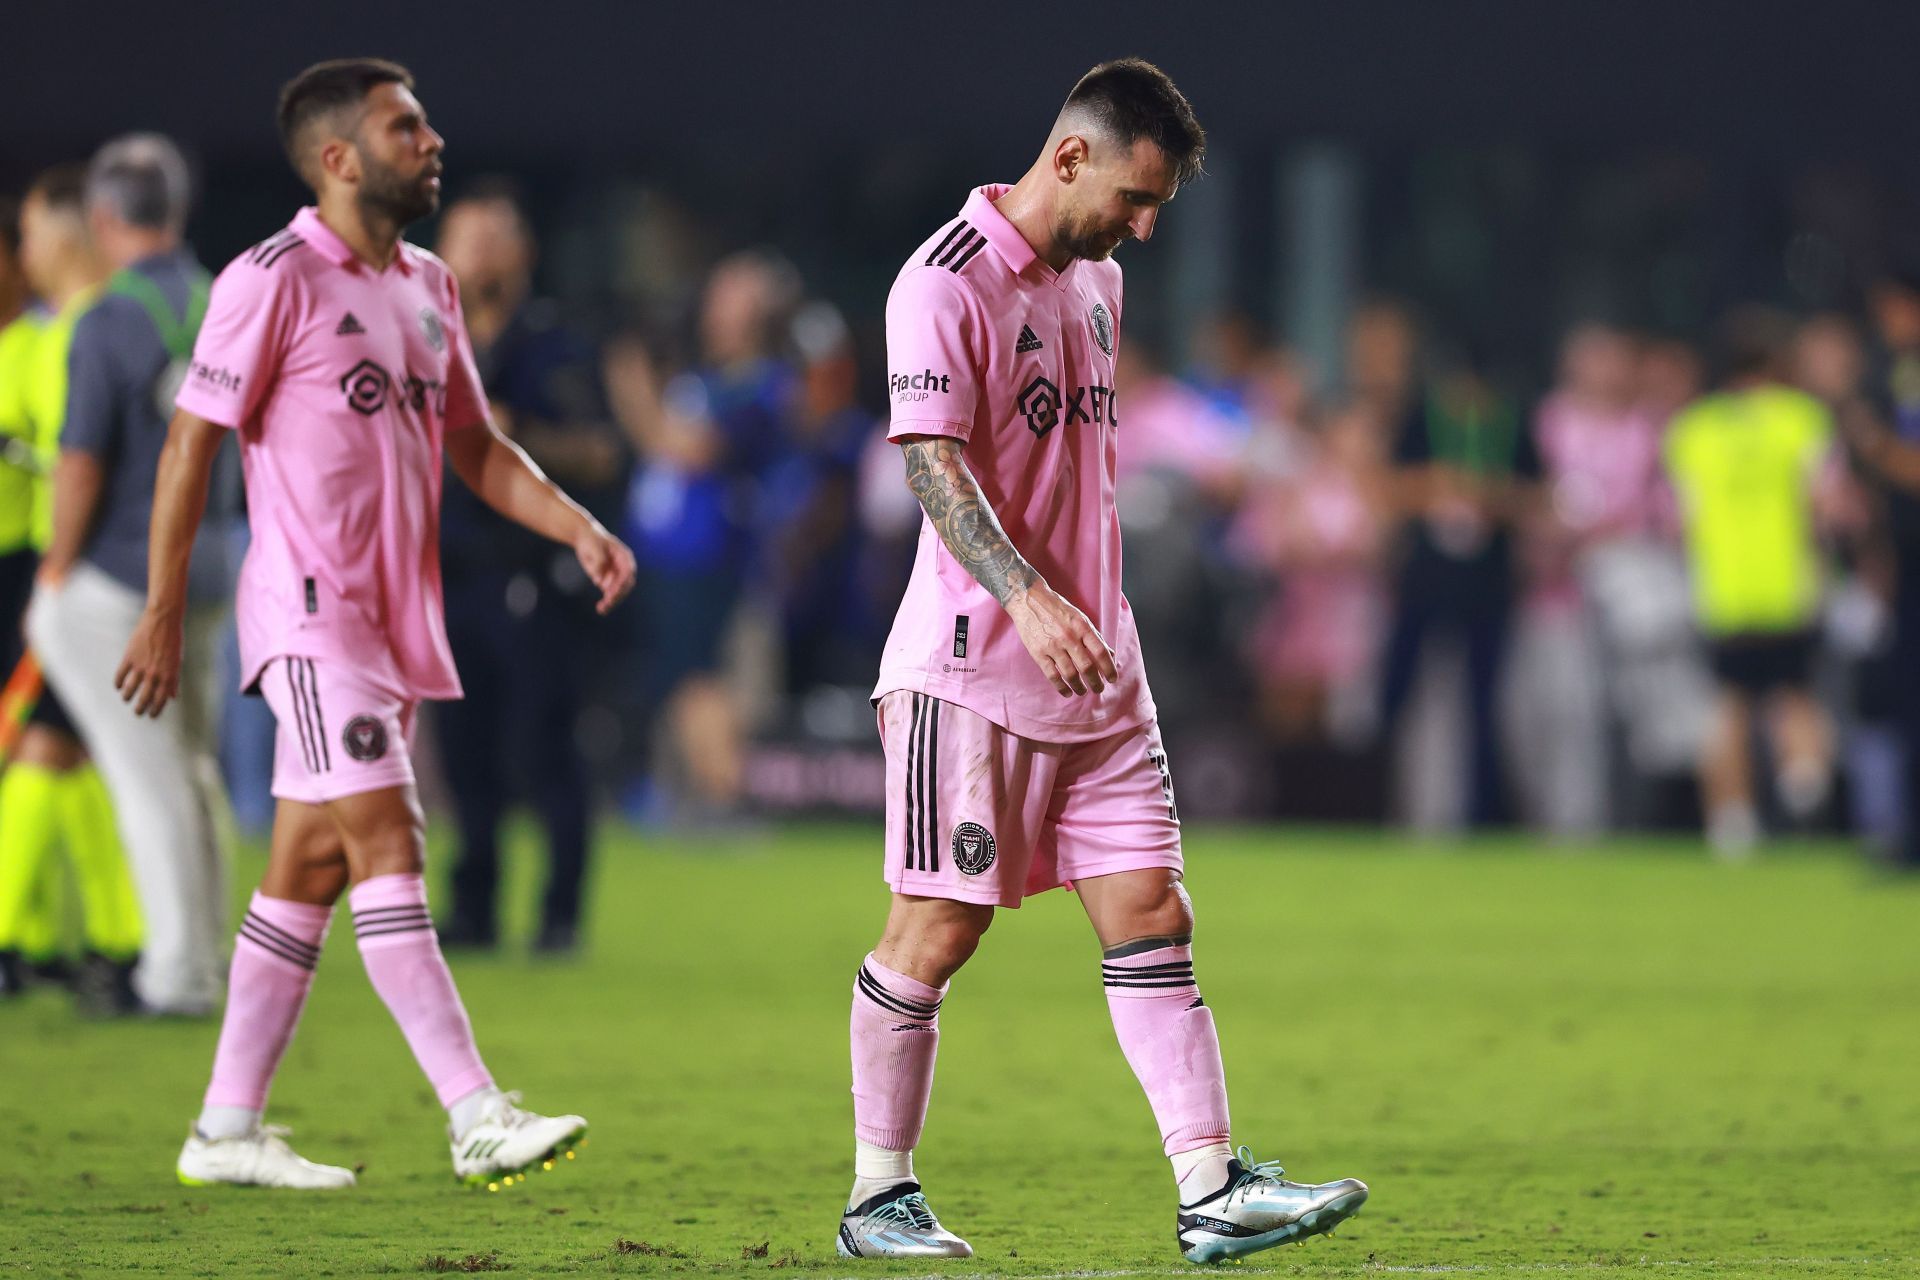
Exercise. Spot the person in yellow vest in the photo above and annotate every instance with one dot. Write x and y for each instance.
(50, 795)
(1746, 462)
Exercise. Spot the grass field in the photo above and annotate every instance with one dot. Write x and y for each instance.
(1611, 1062)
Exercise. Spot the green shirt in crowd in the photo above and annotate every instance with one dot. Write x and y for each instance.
(1744, 464)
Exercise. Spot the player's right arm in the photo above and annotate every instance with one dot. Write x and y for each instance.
(149, 674)
(1063, 641)
(236, 357)
(937, 365)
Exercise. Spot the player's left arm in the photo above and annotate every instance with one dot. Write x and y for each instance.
(506, 479)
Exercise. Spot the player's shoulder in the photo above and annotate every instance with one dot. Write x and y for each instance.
(285, 253)
(433, 270)
(955, 260)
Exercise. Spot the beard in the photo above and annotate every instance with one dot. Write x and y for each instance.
(1088, 240)
(392, 196)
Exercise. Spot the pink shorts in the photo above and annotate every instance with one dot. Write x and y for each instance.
(978, 814)
(339, 735)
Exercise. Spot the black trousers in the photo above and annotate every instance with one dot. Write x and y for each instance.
(513, 735)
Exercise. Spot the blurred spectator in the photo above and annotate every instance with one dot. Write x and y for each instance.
(1382, 358)
(129, 356)
(694, 510)
(1830, 364)
(1599, 449)
(807, 509)
(1466, 468)
(1226, 354)
(1322, 536)
(51, 796)
(518, 608)
(1885, 435)
(1746, 462)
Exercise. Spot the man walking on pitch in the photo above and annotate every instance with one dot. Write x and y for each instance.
(338, 353)
(1023, 750)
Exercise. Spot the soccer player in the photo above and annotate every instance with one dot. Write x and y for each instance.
(1022, 746)
(338, 353)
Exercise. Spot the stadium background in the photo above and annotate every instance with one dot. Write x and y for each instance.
(1507, 170)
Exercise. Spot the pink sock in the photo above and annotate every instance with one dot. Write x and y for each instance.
(1166, 1031)
(273, 960)
(402, 955)
(896, 1032)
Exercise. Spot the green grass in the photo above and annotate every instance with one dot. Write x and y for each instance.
(1620, 1061)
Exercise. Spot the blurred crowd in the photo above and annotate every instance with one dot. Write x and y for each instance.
(1673, 584)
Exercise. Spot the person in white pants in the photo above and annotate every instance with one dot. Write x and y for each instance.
(127, 356)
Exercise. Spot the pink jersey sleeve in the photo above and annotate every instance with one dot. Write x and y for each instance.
(466, 398)
(250, 320)
(935, 363)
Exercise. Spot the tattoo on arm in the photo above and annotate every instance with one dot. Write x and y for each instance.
(960, 514)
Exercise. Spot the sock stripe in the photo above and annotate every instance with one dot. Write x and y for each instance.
(874, 991)
(1172, 966)
(383, 913)
(879, 994)
(399, 928)
(293, 940)
(1146, 986)
(274, 947)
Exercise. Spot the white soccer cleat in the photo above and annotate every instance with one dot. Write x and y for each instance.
(506, 1144)
(258, 1159)
(897, 1224)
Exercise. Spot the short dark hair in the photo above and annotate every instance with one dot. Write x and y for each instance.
(494, 188)
(63, 187)
(325, 88)
(1751, 341)
(1133, 99)
(10, 226)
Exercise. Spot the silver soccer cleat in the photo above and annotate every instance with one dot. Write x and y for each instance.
(1259, 1209)
(898, 1224)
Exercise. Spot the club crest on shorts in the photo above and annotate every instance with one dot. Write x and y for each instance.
(1103, 327)
(365, 738)
(973, 848)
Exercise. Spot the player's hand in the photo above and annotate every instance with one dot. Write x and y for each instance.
(1063, 641)
(608, 564)
(149, 675)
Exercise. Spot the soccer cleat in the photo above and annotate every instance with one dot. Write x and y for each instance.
(258, 1159)
(507, 1143)
(1259, 1209)
(898, 1224)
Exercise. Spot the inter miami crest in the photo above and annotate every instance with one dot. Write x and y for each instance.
(973, 848)
(365, 738)
(431, 329)
(1103, 327)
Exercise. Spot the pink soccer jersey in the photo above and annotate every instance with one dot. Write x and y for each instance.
(989, 345)
(342, 382)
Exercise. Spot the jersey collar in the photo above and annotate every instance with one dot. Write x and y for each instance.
(325, 242)
(1005, 238)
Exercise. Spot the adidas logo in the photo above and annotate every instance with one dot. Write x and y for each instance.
(1029, 340)
(349, 326)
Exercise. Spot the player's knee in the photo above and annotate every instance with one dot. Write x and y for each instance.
(1163, 909)
(397, 848)
(933, 939)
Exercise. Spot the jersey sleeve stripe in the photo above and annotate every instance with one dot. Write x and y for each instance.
(967, 257)
(940, 248)
(960, 244)
(282, 252)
